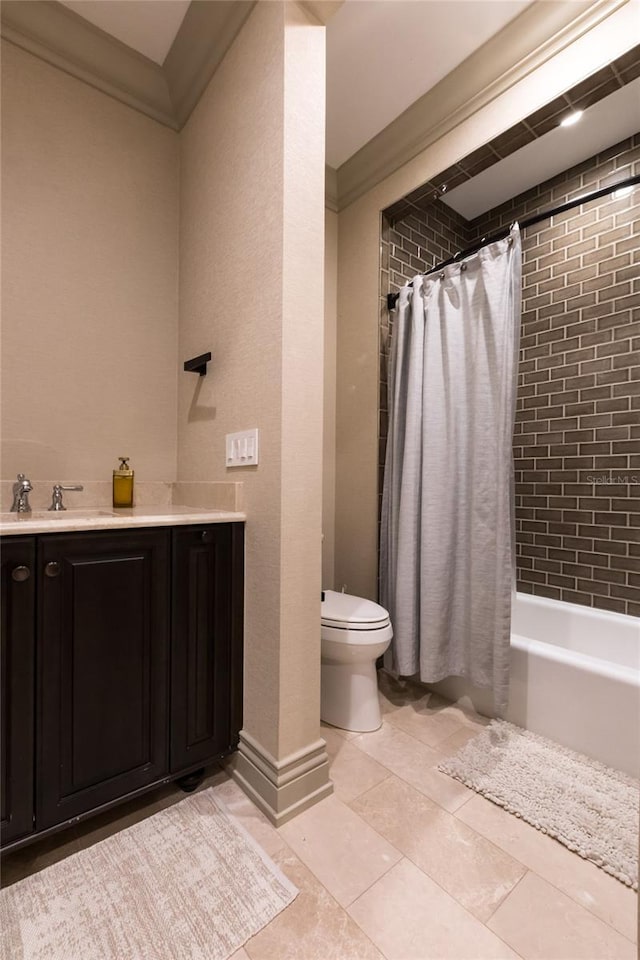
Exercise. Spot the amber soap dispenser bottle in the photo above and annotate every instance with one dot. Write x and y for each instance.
(123, 484)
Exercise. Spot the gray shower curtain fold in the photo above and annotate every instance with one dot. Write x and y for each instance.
(447, 545)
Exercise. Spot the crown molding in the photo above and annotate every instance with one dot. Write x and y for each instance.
(331, 188)
(56, 34)
(321, 10)
(205, 35)
(168, 94)
(526, 43)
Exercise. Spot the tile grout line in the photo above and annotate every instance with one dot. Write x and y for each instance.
(454, 813)
(562, 892)
(367, 790)
(289, 851)
(535, 872)
(486, 922)
(433, 800)
(505, 898)
(327, 891)
(345, 908)
(406, 856)
(472, 794)
(461, 726)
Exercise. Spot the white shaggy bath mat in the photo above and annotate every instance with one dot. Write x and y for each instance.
(590, 808)
(189, 883)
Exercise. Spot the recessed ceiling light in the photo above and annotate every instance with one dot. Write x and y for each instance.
(571, 119)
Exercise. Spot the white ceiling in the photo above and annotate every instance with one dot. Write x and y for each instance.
(382, 55)
(149, 26)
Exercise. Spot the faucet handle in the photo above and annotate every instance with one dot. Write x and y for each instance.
(56, 498)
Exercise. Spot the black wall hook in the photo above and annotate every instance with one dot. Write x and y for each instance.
(198, 364)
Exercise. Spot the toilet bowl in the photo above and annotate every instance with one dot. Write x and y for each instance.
(354, 633)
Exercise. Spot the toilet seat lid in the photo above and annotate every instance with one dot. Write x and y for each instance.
(344, 609)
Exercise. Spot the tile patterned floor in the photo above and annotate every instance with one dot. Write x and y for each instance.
(403, 863)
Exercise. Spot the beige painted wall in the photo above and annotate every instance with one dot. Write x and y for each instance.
(329, 420)
(251, 291)
(358, 253)
(93, 244)
(89, 280)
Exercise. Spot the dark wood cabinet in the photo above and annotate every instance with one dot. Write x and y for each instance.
(206, 644)
(18, 576)
(137, 636)
(103, 654)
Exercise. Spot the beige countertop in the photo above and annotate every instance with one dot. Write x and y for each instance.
(69, 521)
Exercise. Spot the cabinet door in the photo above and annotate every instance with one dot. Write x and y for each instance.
(103, 668)
(206, 645)
(18, 658)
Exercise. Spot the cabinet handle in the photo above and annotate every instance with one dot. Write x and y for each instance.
(204, 535)
(52, 569)
(20, 573)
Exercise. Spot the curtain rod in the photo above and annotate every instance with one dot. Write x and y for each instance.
(392, 298)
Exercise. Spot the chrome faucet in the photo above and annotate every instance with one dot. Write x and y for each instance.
(21, 491)
(56, 500)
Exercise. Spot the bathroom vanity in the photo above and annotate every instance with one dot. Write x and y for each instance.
(121, 658)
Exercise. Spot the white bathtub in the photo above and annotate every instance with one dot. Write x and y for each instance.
(575, 678)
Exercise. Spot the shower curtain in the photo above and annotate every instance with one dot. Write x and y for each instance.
(447, 533)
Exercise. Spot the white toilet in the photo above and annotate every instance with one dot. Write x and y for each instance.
(354, 633)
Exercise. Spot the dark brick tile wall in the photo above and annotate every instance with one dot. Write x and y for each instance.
(577, 434)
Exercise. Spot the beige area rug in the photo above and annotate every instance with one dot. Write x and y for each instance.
(189, 883)
(590, 808)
